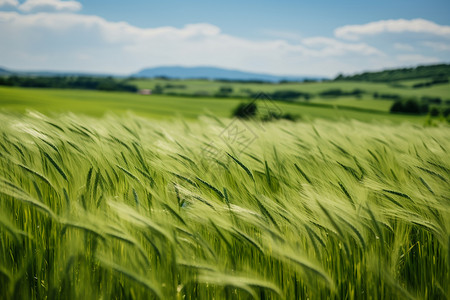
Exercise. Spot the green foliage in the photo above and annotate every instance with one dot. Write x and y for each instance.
(435, 111)
(245, 110)
(440, 72)
(128, 208)
(436, 80)
(224, 92)
(272, 116)
(410, 106)
(69, 82)
(225, 89)
(339, 93)
(250, 111)
(288, 95)
(446, 112)
(386, 96)
(158, 89)
(174, 86)
(432, 100)
(159, 106)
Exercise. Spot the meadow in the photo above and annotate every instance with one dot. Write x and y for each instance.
(116, 195)
(119, 206)
(191, 86)
(97, 103)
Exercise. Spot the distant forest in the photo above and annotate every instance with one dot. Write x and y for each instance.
(436, 73)
(69, 82)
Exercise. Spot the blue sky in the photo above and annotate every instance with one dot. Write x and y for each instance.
(282, 37)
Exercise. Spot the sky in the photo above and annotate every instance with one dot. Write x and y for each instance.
(306, 38)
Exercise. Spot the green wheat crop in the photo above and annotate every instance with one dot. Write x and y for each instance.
(128, 208)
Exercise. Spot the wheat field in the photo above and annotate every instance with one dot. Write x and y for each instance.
(130, 208)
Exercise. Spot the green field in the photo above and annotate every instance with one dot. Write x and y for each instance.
(402, 88)
(96, 103)
(125, 207)
(113, 195)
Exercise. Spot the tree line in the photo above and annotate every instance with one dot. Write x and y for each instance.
(69, 82)
(434, 71)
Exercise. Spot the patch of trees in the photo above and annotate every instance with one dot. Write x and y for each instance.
(432, 100)
(246, 90)
(250, 111)
(244, 81)
(441, 70)
(158, 89)
(309, 80)
(284, 95)
(273, 116)
(69, 82)
(224, 91)
(340, 93)
(174, 86)
(436, 80)
(437, 111)
(227, 91)
(279, 95)
(288, 95)
(410, 106)
(376, 95)
(446, 112)
(434, 106)
(245, 110)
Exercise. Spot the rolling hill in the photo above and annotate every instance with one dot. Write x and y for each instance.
(419, 72)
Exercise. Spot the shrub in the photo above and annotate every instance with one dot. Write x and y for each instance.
(331, 93)
(245, 110)
(397, 107)
(409, 106)
(271, 116)
(434, 111)
(432, 100)
(225, 90)
(446, 112)
(158, 89)
(287, 95)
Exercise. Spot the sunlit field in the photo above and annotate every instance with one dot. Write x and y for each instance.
(125, 207)
(96, 103)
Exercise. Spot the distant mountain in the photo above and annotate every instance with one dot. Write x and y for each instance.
(215, 73)
(4, 72)
(419, 72)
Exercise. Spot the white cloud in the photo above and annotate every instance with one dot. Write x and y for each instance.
(331, 47)
(355, 32)
(403, 47)
(66, 41)
(415, 59)
(437, 46)
(280, 34)
(12, 3)
(50, 5)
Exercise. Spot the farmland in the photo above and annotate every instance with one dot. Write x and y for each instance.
(193, 98)
(119, 207)
(113, 195)
(402, 88)
(97, 103)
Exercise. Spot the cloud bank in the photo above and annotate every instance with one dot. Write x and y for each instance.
(43, 5)
(77, 42)
(12, 3)
(355, 32)
(50, 5)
